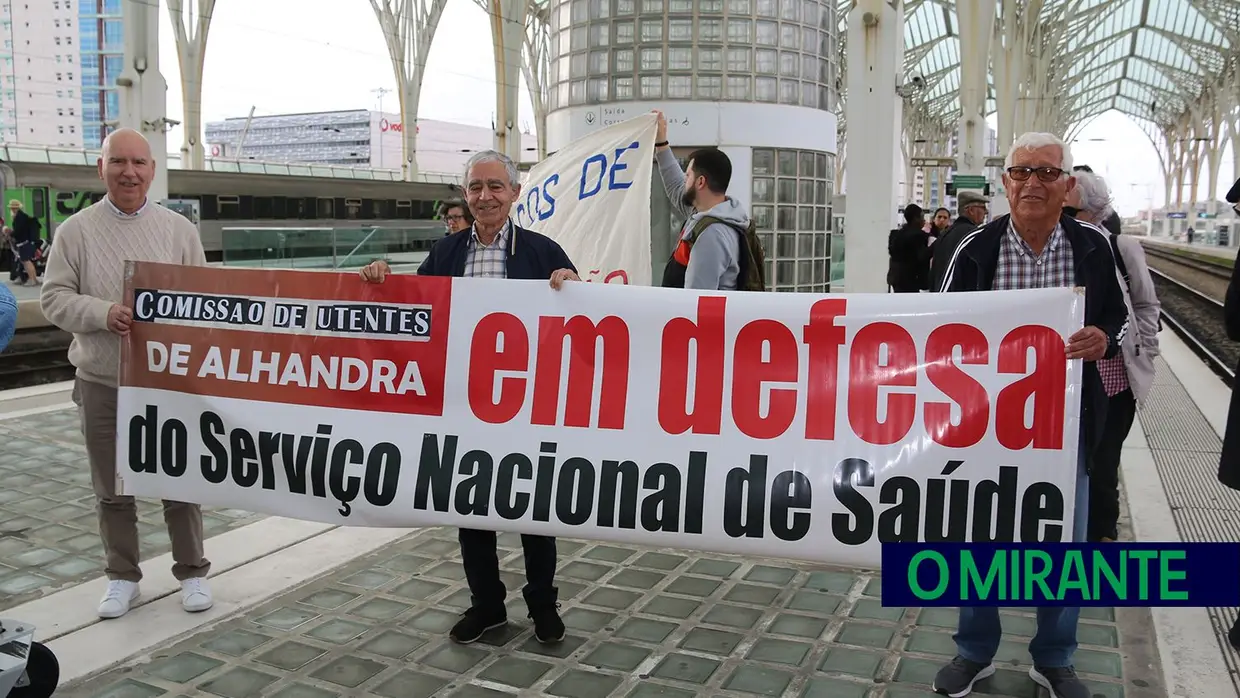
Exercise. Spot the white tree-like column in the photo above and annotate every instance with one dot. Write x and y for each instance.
(191, 20)
(511, 37)
(537, 65)
(408, 29)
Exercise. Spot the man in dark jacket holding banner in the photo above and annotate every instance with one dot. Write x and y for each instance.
(1039, 247)
(494, 247)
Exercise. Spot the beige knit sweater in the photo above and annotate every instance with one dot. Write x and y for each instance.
(86, 270)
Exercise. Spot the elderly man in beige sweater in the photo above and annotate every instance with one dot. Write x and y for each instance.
(83, 293)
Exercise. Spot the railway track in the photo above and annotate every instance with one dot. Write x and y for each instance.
(1217, 270)
(1198, 319)
(36, 357)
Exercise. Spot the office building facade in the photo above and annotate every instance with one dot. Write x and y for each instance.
(359, 138)
(758, 79)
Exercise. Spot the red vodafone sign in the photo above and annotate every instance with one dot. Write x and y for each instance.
(385, 126)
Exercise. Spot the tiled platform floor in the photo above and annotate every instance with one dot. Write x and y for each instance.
(641, 623)
(49, 533)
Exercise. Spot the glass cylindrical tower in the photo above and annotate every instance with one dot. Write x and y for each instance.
(756, 78)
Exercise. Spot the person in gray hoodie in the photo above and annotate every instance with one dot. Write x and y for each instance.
(716, 255)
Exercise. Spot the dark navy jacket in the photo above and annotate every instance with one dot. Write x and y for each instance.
(972, 267)
(530, 255)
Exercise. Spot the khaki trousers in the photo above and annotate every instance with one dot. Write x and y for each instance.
(118, 516)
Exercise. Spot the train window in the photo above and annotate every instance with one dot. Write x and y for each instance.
(369, 209)
(229, 206)
(423, 211)
(262, 206)
(38, 202)
(385, 209)
(208, 209)
(353, 208)
(326, 208)
(279, 207)
(245, 207)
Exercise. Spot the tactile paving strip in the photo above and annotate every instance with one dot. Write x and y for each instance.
(1186, 450)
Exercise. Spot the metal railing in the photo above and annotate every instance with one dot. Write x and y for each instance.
(326, 248)
(79, 156)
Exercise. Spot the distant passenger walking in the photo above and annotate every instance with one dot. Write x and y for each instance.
(84, 294)
(1127, 377)
(494, 247)
(909, 249)
(973, 208)
(25, 236)
(1038, 247)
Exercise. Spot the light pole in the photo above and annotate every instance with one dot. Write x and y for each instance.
(381, 91)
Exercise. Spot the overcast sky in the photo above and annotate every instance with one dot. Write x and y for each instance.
(283, 56)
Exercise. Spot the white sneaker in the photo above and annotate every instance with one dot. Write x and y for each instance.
(117, 599)
(196, 595)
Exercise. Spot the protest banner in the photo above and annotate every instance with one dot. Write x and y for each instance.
(593, 198)
(794, 425)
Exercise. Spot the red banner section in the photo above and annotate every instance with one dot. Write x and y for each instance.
(313, 339)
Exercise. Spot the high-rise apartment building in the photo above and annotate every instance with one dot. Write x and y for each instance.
(58, 70)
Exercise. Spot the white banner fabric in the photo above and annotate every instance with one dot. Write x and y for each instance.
(593, 198)
(790, 425)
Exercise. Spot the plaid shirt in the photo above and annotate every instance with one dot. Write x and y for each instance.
(1020, 268)
(488, 261)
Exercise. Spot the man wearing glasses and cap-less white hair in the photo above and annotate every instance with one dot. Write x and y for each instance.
(1037, 246)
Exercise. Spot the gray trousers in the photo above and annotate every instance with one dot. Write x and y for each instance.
(118, 515)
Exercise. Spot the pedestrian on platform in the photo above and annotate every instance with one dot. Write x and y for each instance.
(1109, 222)
(455, 216)
(909, 250)
(84, 294)
(1127, 377)
(973, 208)
(495, 247)
(1229, 459)
(1036, 246)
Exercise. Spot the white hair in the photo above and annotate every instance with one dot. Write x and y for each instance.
(1095, 194)
(1034, 141)
(514, 177)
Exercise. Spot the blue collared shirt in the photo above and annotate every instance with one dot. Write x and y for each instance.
(121, 213)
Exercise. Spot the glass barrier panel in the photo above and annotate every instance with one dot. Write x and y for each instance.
(71, 157)
(327, 248)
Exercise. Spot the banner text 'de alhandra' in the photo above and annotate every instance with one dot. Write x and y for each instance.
(795, 425)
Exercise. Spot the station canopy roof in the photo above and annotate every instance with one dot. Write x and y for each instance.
(1145, 58)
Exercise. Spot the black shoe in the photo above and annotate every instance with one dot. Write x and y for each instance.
(476, 622)
(548, 627)
(957, 678)
(1233, 635)
(1060, 681)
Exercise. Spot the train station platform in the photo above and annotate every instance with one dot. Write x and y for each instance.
(305, 610)
(1212, 251)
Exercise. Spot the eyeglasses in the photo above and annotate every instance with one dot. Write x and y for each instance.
(453, 218)
(1046, 174)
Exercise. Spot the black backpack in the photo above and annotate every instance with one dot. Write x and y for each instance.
(752, 276)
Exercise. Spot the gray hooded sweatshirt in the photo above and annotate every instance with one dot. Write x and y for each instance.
(715, 261)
